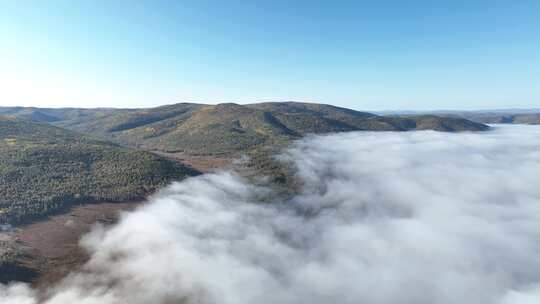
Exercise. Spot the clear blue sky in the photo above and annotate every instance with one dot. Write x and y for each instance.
(370, 55)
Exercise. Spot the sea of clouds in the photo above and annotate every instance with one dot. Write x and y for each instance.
(382, 218)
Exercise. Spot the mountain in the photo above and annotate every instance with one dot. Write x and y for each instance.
(44, 168)
(508, 116)
(500, 117)
(230, 128)
(342, 119)
(51, 115)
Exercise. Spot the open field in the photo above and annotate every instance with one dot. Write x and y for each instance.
(51, 247)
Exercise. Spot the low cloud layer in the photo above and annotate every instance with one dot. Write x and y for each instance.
(413, 218)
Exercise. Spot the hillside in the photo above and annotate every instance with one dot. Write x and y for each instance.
(228, 128)
(309, 118)
(45, 168)
(532, 118)
(509, 116)
(51, 115)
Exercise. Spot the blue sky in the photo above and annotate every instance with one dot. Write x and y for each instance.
(370, 55)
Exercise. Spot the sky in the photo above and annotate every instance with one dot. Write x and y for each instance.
(366, 55)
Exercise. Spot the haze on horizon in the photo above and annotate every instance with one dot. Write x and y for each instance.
(389, 55)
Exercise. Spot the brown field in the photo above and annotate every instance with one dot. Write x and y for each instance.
(51, 245)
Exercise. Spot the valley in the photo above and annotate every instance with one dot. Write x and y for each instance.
(88, 165)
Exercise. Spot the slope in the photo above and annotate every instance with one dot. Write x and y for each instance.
(44, 168)
(229, 128)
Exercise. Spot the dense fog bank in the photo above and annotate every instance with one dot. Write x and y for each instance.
(414, 218)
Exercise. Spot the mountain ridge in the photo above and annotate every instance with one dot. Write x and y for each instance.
(229, 127)
(496, 116)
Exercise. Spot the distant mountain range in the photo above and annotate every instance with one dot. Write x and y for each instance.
(502, 116)
(532, 118)
(227, 128)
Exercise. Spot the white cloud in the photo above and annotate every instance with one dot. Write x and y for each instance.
(419, 217)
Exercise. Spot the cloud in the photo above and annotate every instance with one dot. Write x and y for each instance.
(416, 217)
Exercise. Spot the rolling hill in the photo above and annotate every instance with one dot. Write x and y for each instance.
(532, 118)
(507, 116)
(230, 128)
(51, 115)
(44, 168)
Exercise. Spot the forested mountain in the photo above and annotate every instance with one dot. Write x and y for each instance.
(343, 119)
(52, 115)
(499, 117)
(44, 168)
(509, 116)
(227, 128)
